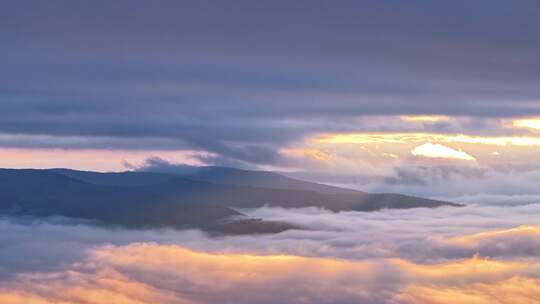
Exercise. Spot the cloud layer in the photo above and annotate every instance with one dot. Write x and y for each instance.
(143, 273)
(473, 254)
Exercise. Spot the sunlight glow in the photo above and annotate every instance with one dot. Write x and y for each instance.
(403, 138)
(531, 123)
(132, 274)
(440, 151)
(424, 118)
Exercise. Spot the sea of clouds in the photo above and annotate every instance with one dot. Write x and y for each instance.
(472, 254)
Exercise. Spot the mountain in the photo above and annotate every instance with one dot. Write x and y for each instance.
(212, 174)
(45, 193)
(251, 189)
(148, 199)
(264, 179)
(128, 178)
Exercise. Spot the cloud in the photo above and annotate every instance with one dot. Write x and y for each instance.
(465, 182)
(429, 175)
(390, 234)
(440, 151)
(405, 234)
(93, 159)
(388, 256)
(228, 85)
(529, 123)
(424, 118)
(142, 273)
(181, 83)
(513, 290)
(414, 137)
(459, 181)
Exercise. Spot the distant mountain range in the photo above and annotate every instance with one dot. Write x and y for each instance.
(204, 197)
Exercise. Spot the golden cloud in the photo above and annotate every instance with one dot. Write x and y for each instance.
(408, 138)
(310, 153)
(524, 230)
(151, 273)
(91, 159)
(424, 118)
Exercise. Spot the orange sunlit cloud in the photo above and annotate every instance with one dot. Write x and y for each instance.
(314, 154)
(403, 138)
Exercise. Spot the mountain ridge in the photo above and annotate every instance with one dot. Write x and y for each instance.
(216, 175)
(149, 199)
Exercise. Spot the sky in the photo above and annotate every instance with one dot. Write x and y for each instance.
(373, 95)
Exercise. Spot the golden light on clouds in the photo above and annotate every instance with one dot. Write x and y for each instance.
(89, 159)
(529, 123)
(314, 154)
(515, 290)
(424, 118)
(404, 138)
(524, 230)
(152, 273)
(440, 151)
(382, 150)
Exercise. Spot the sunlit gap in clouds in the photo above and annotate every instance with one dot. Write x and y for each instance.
(416, 124)
(365, 138)
(529, 123)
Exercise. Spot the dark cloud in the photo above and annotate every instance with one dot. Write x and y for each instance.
(215, 76)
